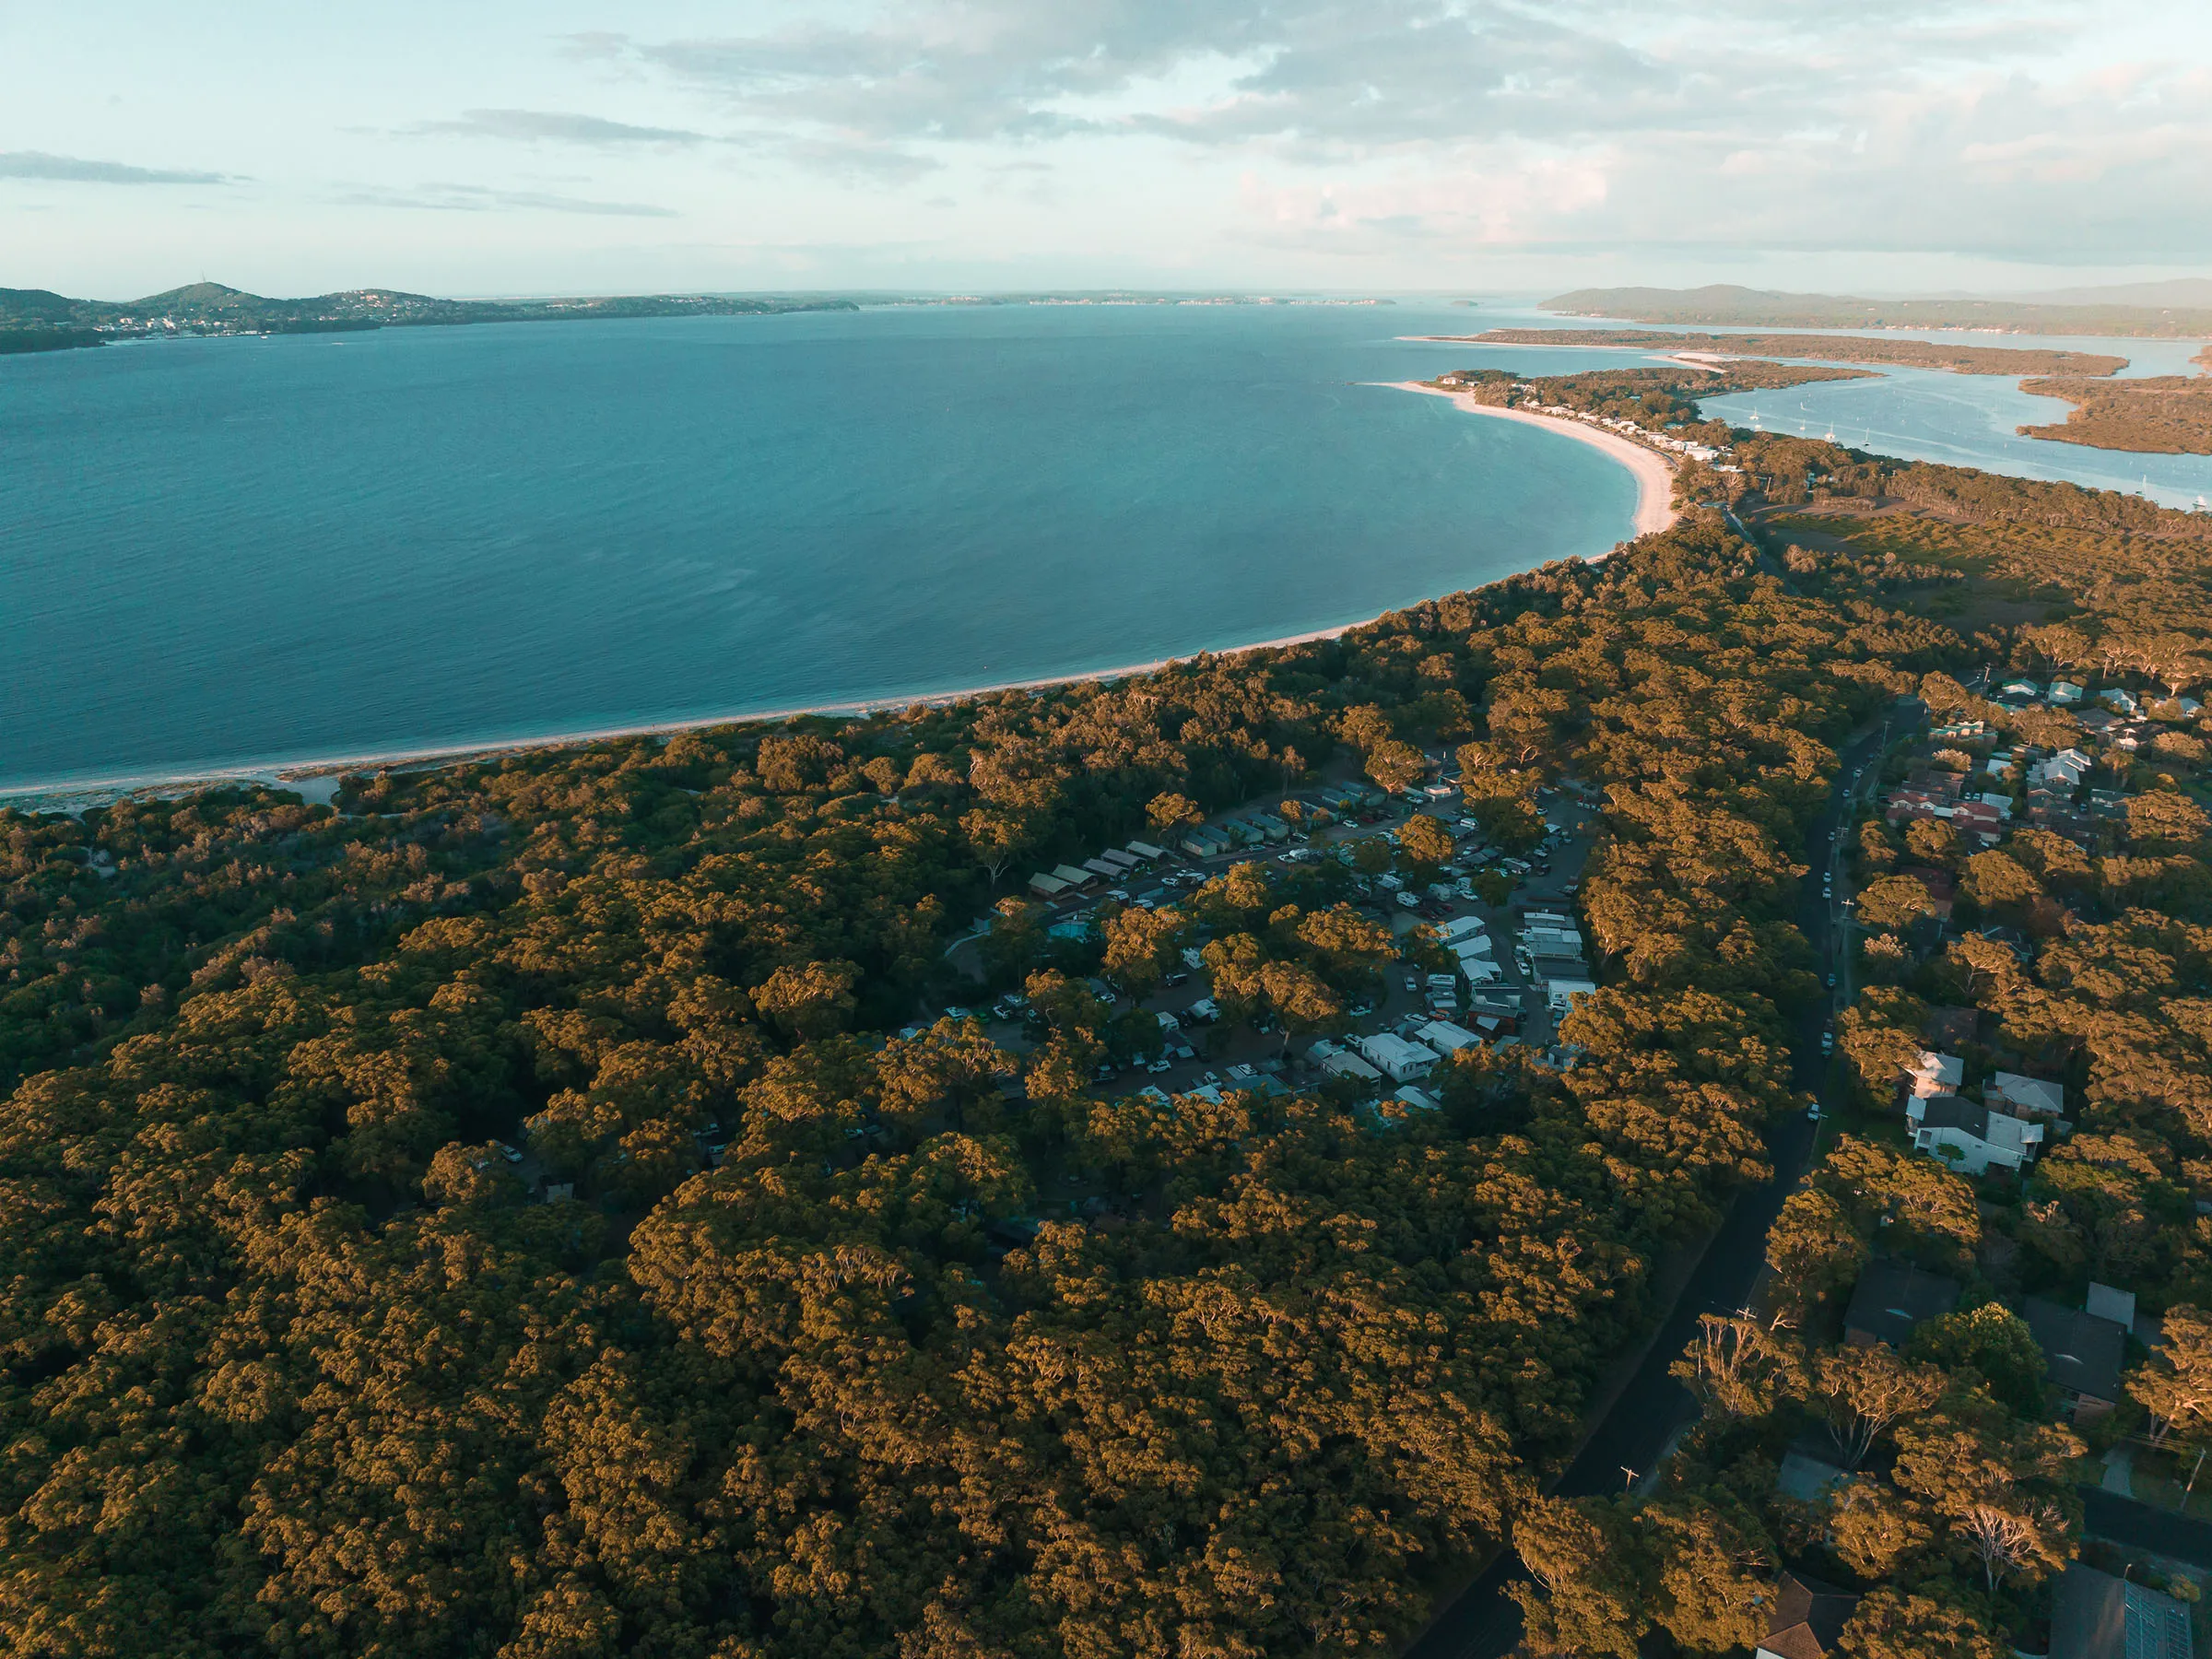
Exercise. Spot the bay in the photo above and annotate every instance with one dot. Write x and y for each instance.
(224, 555)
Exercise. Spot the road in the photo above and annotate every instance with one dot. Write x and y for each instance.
(1484, 1622)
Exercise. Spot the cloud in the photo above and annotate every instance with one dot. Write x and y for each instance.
(476, 198)
(37, 164)
(555, 127)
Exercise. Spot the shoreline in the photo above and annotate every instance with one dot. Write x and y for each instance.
(1655, 511)
(76, 797)
(1655, 475)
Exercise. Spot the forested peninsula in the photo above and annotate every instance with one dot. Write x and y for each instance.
(40, 320)
(577, 1204)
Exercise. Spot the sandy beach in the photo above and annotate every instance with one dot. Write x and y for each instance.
(317, 778)
(1654, 477)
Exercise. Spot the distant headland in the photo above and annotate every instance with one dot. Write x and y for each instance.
(40, 320)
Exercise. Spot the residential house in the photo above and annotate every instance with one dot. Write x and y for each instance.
(1806, 1620)
(2096, 1615)
(1970, 1137)
(1810, 1467)
(2082, 1353)
(2019, 691)
(1147, 852)
(1072, 875)
(2114, 697)
(1445, 1037)
(1400, 1061)
(2025, 1097)
(2108, 1301)
(1341, 1064)
(1047, 887)
(1935, 1074)
(2065, 694)
(2064, 771)
(2094, 721)
(1891, 1299)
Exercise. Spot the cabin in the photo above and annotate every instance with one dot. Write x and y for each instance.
(1970, 1137)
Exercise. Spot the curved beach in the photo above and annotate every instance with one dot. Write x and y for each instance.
(1654, 477)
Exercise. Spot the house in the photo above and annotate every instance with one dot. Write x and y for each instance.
(1970, 1137)
(1891, 1299)
(1809, 1467)
(2064, 771)
(2096, 1615)
(1397, 1059)
(1272, 827)
(2094, 719)
(1445, 1037)
(1807, 1619)
(2025, 1097)
(1123, 861)
(2065, 694)
(2082, 1353)
(1147, 852)
(1560, 994)
(1047, 887)
(2109, 1303)
(1341, 1064)
(1460, 927)
(2023, 691)
(1935, 1074)
(1419, 1099)
(2113, 698)
(1099, 867)
(1073, 876)
(1203, 844)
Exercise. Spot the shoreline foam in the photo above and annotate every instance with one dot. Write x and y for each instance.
(1653, 473)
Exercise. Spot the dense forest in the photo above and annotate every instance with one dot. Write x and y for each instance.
(2164, 414)
(823, 1323)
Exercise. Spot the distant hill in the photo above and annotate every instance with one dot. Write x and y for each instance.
(40, 319)
(1726, 305)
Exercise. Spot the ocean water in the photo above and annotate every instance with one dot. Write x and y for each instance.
(233, 554)
(1922, 414)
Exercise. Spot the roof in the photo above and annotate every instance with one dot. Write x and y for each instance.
(2083, 1352)
(2106, 1301)
(1444, 1036)
(1387, 1048)
(1955, 1112)
(2029, 1094)
(1893, 1296)
(1807, 1620)
(2096, 1615)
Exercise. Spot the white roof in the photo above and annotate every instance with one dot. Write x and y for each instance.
(1387, 1048)
(2030, 1094)
(1446, 1038)
(1349, 1065)
(1460, 927)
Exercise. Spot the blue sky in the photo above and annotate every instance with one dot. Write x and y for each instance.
(1383, 144)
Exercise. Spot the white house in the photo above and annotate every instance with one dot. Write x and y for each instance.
(1972, 1139)
(1400, 1061)
(1445, 1037)
(2112, 697)
(2066, 693)
(1935, 1074)
(1350, 1065)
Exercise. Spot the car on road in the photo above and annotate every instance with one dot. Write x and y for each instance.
(1828, 1042)
(1413, 982)
(1832, 982)
(1813, 1112)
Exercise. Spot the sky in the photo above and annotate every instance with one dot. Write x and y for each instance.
(948, 146)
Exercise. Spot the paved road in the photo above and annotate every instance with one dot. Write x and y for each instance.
(1485, 1623)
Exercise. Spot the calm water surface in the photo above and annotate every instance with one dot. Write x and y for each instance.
(236, 553)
